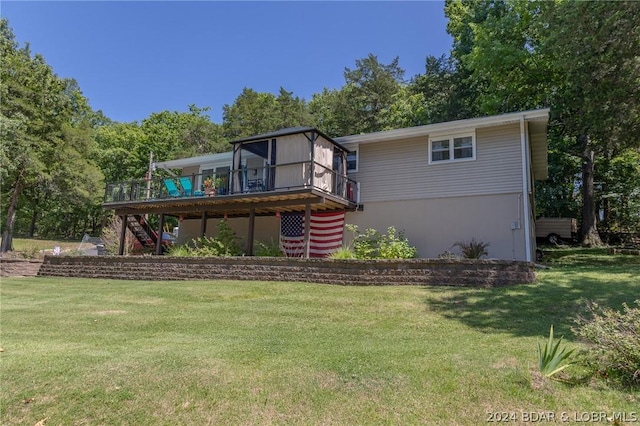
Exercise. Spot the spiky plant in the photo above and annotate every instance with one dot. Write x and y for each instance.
(551, 358)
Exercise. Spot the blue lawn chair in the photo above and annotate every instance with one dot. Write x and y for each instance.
(172, 188)
(185, 182)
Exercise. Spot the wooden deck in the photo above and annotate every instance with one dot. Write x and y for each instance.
(234, 205)
(303, 186)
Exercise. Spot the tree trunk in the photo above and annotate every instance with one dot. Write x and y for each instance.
(7, 234)
(32, 225)
(590, 236)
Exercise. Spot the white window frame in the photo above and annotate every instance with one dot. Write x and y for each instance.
(354, 150)
(451, 139)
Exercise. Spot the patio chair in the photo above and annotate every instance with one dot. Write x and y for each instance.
(185, 182)
(172, 188)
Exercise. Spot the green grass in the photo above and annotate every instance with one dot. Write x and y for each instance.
(222, 352)
(33, 247)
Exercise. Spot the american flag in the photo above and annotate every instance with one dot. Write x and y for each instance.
(325, 233)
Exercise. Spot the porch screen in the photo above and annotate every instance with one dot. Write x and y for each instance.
(292, 161)
(323, 167)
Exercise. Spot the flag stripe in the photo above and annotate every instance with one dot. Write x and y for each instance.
(326, 231)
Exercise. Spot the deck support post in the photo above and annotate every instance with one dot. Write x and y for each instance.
(159, 240)
(123, 234)
(307, 230)
(203, 224)
(252, 225)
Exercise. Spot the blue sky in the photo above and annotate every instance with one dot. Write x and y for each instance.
(135, 58)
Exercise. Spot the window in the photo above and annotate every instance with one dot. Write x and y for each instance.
(462, 147)
(206, 173)
(352, 161)
(453, 148)
(440, 150)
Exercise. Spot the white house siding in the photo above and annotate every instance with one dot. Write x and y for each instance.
(400, 170)
(440, 204)
(434, 225)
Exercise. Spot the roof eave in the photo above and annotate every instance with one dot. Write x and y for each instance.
(288, 132)
(192, 161)
(446, 127)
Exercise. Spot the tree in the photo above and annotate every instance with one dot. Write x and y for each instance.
(498, 46)
(372, 86)
(373, 98)
(618, 177)
(331, 112)
(123, 152)
(199, 134)
(597, 92)
(41, 116)
(172, 134)
(292, 111)
(439, 87)
(252, 113)
(517, 53)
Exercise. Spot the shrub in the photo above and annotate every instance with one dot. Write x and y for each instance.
(225, 243)
(552, 359)
(472, 249)
(343, 253)
(395, 247)
(614, 338)
(180, 251)
(373, 245)
(111, 236)
(365, 245)
(271, 249)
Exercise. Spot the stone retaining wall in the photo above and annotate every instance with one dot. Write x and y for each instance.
(19, 267)
(478, 273)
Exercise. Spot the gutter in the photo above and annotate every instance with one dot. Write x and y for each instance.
(446, 127)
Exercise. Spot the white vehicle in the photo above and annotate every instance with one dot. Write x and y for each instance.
(555, 229)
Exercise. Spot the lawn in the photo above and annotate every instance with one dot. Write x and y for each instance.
(33, 248)
(77, 351)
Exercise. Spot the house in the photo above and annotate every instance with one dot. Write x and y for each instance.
(440, 183)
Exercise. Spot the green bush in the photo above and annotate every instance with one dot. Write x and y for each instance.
(343, 253)
(270, 249)
(472, 249)
(373, 245)
(614, 338)
(395, 247)
(225, 243)
(181, 250)
(365, 245)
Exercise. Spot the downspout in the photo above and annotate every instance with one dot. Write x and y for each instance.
(525, 189)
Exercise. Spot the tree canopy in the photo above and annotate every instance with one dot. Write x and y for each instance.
(47, 141)
(579, 58)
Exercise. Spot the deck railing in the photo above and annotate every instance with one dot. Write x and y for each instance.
(246, 180)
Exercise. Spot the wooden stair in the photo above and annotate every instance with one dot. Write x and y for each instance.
(142, 231)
